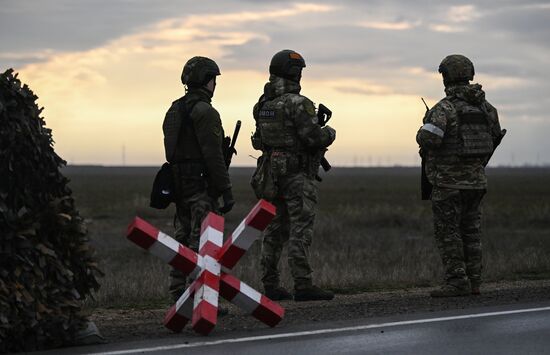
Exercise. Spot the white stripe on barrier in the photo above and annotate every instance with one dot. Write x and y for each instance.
(165, 247)
(250, 292)
(247, 298)
(184, 305)
(198, 269)
(246, 238)
(213, 235)
(211, 265)
(238, 231)
(208, 294)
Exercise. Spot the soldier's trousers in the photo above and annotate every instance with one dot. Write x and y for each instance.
(293, 224)
(457, 225)
(190, 212)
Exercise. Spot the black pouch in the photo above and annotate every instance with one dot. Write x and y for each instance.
(262, 180)
(163, 192)
(279, 164)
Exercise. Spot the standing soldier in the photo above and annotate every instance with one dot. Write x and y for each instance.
(459, 136)
(193, 139)
(292, 143)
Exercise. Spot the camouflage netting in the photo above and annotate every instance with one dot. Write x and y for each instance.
(46, 265)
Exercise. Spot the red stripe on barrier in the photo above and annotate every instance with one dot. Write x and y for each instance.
(174, 321)
(209, 279)
(230, 254)
(229, 286)
(142, 233)
(210, 248)
(204, 318)
(213, 220)
(185, 261)
(261, 215)
(269, 312)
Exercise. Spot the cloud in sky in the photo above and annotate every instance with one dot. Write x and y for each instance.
(389, 25)
(111, 68)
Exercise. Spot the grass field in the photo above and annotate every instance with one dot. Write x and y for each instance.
(372, 231)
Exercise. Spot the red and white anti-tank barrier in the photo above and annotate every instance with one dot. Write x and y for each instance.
(210, 269)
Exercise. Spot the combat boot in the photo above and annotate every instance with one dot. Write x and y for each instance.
(312, 293)
(277, 293)
(449, 290)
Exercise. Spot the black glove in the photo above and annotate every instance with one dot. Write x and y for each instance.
(228, 201)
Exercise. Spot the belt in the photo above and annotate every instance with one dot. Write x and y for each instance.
(190, 168)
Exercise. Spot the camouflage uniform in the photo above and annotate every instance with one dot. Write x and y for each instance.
(458, 137)
(198, 165)
(292, 144)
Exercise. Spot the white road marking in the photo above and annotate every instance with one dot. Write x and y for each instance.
(320, 331)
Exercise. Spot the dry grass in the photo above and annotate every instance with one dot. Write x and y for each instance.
(372, 230)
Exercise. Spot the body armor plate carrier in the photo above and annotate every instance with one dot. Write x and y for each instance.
(472, 138)
(277, 131)
(474, 132)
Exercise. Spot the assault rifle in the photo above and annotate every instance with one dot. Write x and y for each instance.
(229, 144)
(425, 186)
(323, 116)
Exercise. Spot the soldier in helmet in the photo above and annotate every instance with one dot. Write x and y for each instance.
(459, 135)
(292, 144)
(193, 139)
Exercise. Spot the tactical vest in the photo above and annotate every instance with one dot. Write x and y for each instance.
(471, 137)
(277, 131)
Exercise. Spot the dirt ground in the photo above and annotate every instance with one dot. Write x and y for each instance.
(119, 325)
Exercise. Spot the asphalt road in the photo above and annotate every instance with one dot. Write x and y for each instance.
(490, 330)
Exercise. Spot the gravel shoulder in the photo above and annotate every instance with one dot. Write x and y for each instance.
(121, 325)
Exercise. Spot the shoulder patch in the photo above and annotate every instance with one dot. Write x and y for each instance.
(308, 106)
(217, 130)
(310, 109)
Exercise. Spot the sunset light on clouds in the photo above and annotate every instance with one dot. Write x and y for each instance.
(370, 62)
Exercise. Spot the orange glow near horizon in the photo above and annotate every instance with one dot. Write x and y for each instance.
(102, 101)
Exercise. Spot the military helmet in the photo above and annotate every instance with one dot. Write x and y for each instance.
(198, 71)
(456, 68)
(287, 64)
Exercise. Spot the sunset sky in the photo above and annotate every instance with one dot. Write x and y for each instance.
(106, 71)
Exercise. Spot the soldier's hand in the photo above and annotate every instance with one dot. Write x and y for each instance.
(331, 131)
(228, 201)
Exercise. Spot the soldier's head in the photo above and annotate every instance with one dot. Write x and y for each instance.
(287, 64)
(200, 72)
(456, 70)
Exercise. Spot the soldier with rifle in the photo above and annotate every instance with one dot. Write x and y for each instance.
(457, 139)
(199, 155)
(293, 143)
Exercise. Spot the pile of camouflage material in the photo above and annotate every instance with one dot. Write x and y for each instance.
(46, 265)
